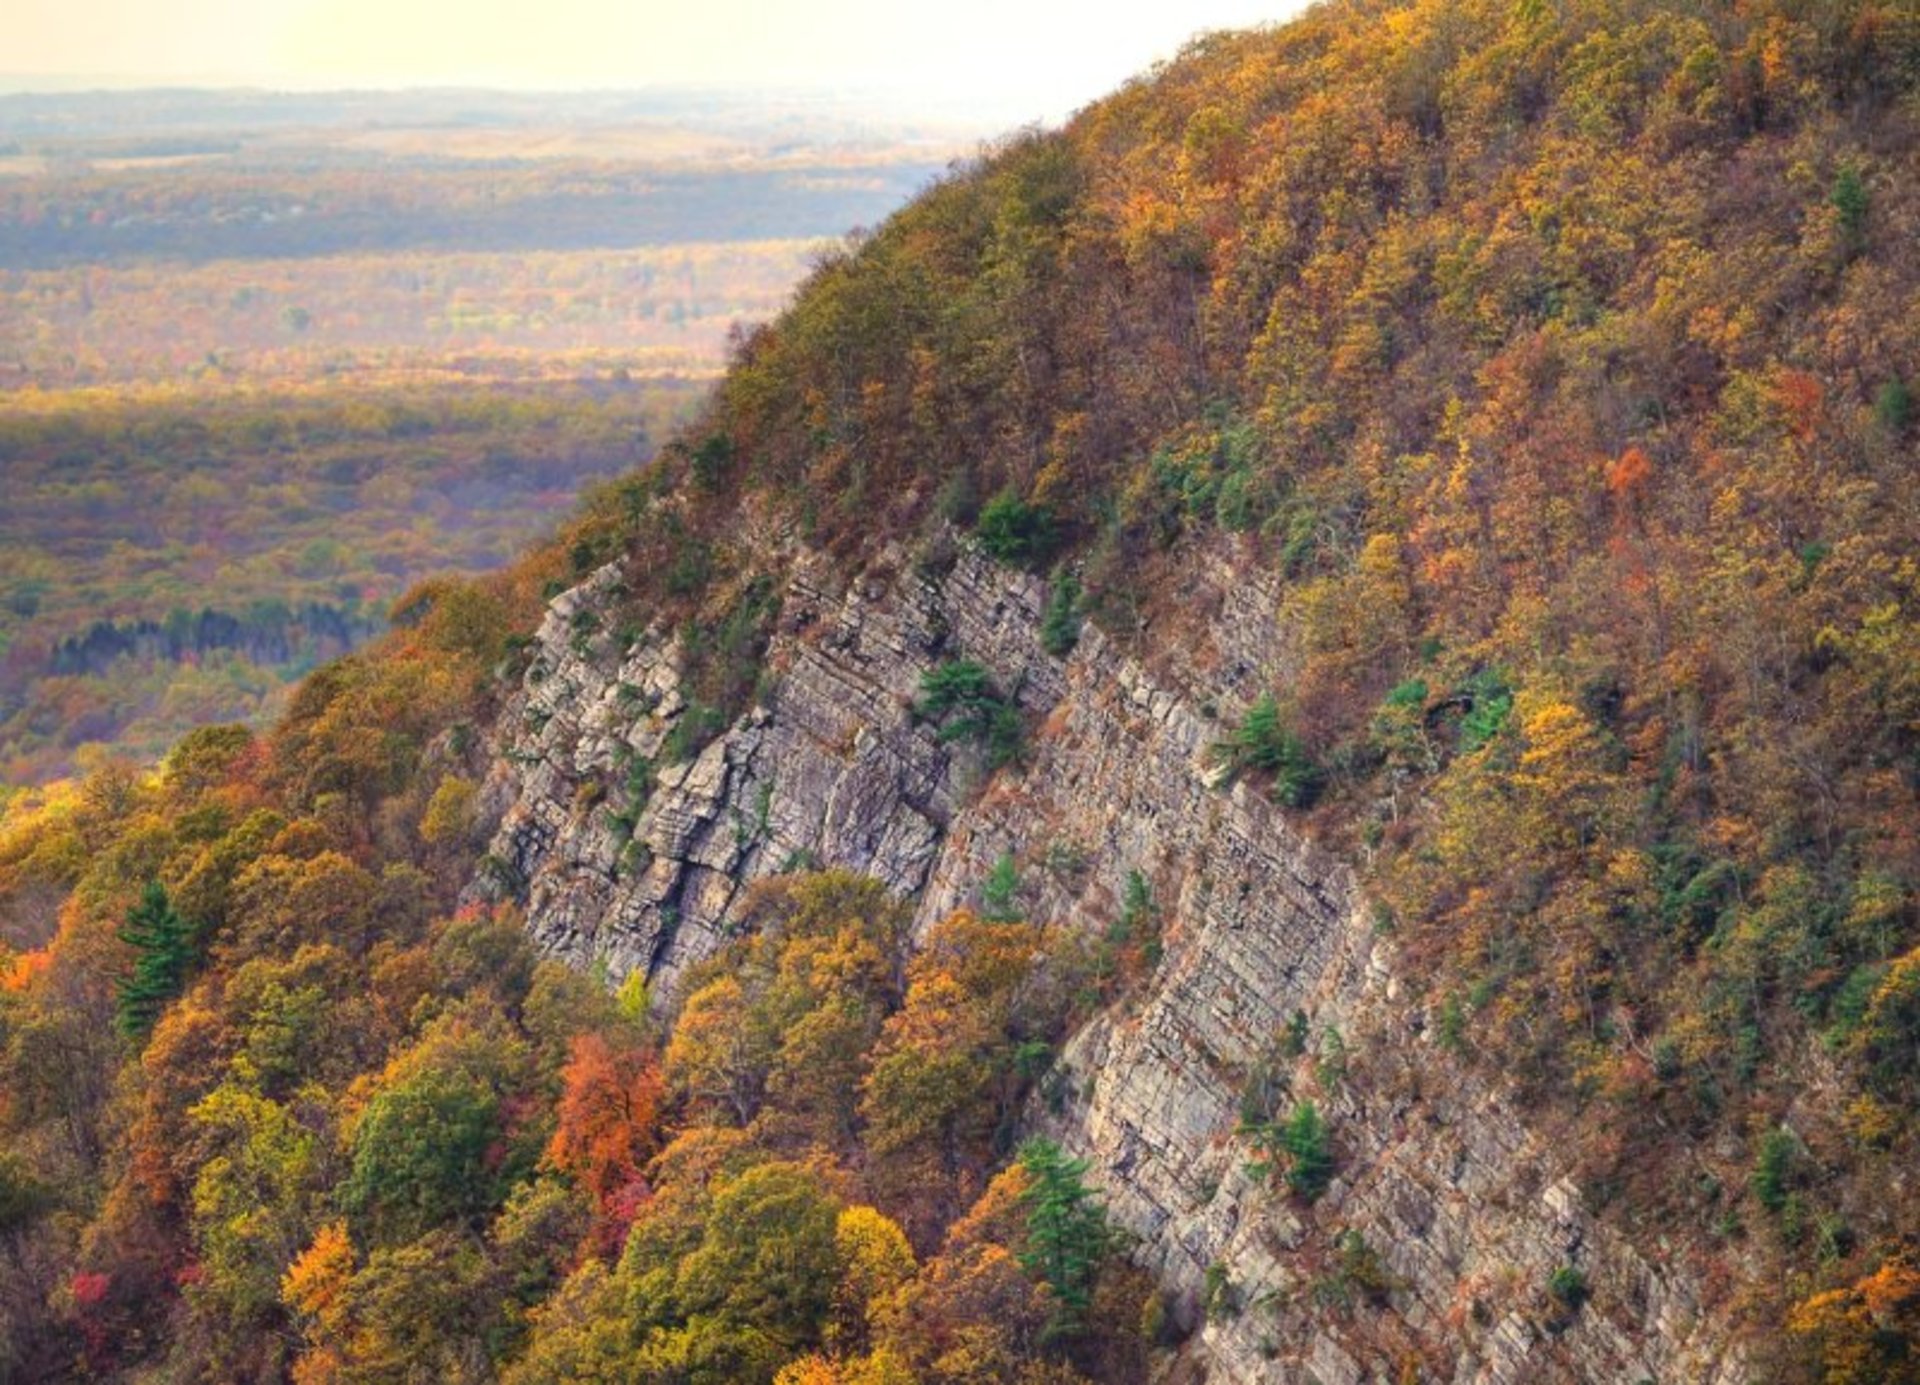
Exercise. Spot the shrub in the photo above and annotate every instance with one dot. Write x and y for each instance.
(712, 459)
(1772, 1170)
(1849, 199)
(1293, 1042)
(1332, 1067)
(1309, 1151)
(1300, 1144)
(723, 664)
(1260, 1096)
(639, 790)
(1398, 732)
(1263, 744)
(962, 694)
(690, 732)
(1013, 531)
(1139, 924)
(1491, 702)
(999, 896)
(1568, 1285)
(1888, 1037)
(1357, 1272)
(1893, 406)
(1219, 1296)
(1060, 627)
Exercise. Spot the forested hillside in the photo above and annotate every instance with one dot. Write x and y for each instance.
(175, 558)
(1554, 363)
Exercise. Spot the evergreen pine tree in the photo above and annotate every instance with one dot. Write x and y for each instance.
(1262, 742)
(1067, 1234)
(1136, 906)
(1060, 629)
(164, 946)
(1310, 1157)
(999, 902)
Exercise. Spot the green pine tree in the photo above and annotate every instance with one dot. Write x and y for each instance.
(1067, 1232)
(165, 947)
(1849, 198)
(961, 694)
(1261, 742)
(999, 896)
(1060, 629)
(1136, 906)
(1309, 1154)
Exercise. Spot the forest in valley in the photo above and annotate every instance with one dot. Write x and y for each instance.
(1561, 361)
(172, 558)
(276, 359)
(197, 213)
(456, 315)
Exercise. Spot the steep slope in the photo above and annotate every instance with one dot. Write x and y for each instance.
(1556, 365)
(1472, 1213)
(1362, 594)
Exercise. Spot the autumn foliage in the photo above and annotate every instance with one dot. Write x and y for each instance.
(1550, 361)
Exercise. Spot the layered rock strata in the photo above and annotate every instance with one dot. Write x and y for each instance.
(1435, 1246)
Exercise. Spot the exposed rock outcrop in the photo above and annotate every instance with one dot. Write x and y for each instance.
(1466, 1212)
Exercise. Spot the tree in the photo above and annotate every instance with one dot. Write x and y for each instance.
(315, 1288)
(1772, 1175)
(721, 1052)
(927, 1103)
(417, 1310)
(1136, 904)
(1309, 1155)
(1888, 1040)
(435, 1144)
(999, 896)
(1060, 626)
(875, 1261)
(579, 1333)
(250, 1199)
(1850, 201)
(605, 1125)
(1867, 1333)
(1262, 743)
(1067, 1232)
(419, 1152)
(767, 1261)
(165, 949)
(1893, 406)
(962, 693)
(1014, 531)
(448, 819)
(973, 1314)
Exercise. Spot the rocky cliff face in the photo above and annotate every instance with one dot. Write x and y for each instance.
(1448, 1217)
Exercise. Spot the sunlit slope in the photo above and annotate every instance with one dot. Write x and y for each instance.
(1557, 361)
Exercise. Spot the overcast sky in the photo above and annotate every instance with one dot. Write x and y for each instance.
(1018, 58)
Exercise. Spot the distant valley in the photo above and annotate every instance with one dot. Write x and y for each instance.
(272, 359)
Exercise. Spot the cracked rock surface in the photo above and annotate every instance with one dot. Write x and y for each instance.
(1468, 1210)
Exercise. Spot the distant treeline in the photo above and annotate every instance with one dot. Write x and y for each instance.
(271, 634)
(653, 308)
(228, 214)
(170, 559)
(64, 119)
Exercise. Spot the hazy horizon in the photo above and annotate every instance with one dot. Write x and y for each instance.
(1002, 61)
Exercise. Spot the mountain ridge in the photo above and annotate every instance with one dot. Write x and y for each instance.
(1477, 439)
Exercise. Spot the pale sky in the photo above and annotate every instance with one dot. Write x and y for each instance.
(1029, 58)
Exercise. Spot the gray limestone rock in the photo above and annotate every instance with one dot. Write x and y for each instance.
(1467, 1209)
